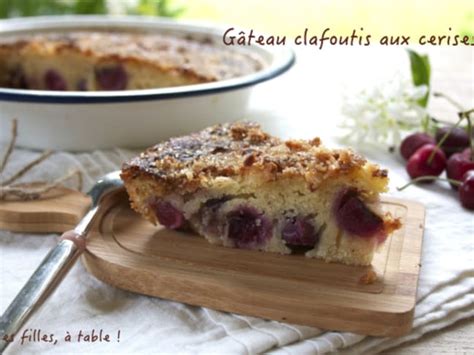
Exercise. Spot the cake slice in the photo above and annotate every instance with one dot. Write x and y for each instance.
(239, 187)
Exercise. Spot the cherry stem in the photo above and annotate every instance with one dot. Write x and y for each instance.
(429, 178)
(463, 113)
(466, 114)
(450, 100)
(426, 123)
(446, 135)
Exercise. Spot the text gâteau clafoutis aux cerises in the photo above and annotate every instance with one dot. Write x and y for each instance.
(233, 37)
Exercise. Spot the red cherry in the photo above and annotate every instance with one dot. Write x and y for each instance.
(456, 141)
(413, 142)
(299, 231)
(248, 227)
(418, 164)
(355, 217)
(168, 215)
(458, 164)
(113, 77)
(54, 81)
(466, 190)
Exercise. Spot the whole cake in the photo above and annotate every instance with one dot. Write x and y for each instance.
(239, 187)
(116, 61)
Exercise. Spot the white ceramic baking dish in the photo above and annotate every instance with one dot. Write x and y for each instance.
(76, 120)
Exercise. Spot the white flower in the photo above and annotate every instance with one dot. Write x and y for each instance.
(380, 114)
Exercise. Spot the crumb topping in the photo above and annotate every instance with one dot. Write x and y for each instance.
(237, 149)
(368, 278)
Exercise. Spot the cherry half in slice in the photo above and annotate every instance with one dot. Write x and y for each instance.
(298, 231)
(168, 215)
(356, 218)
(248, 227)
(209, 215)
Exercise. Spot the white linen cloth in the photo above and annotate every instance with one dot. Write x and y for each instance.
(152, 325)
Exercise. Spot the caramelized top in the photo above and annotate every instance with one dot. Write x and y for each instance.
(236, 149)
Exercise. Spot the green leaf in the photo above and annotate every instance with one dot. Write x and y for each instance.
(90, 7)
(420, 73)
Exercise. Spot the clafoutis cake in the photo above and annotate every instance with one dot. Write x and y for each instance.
(115, 60)
(240, 187)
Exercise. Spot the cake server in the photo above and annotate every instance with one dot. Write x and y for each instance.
(56, 264)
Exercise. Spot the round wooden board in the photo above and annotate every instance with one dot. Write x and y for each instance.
(128, 252)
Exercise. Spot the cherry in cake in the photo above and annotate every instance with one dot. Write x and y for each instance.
(54, 81)
(239, 187)
(166, 214)
(111, 77)
(300, 232)
(248, 228)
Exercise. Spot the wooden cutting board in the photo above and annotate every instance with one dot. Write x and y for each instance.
(128, 252)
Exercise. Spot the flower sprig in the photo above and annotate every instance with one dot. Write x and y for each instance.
(380, 115)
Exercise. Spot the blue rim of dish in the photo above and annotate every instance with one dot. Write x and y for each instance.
(77, 97)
